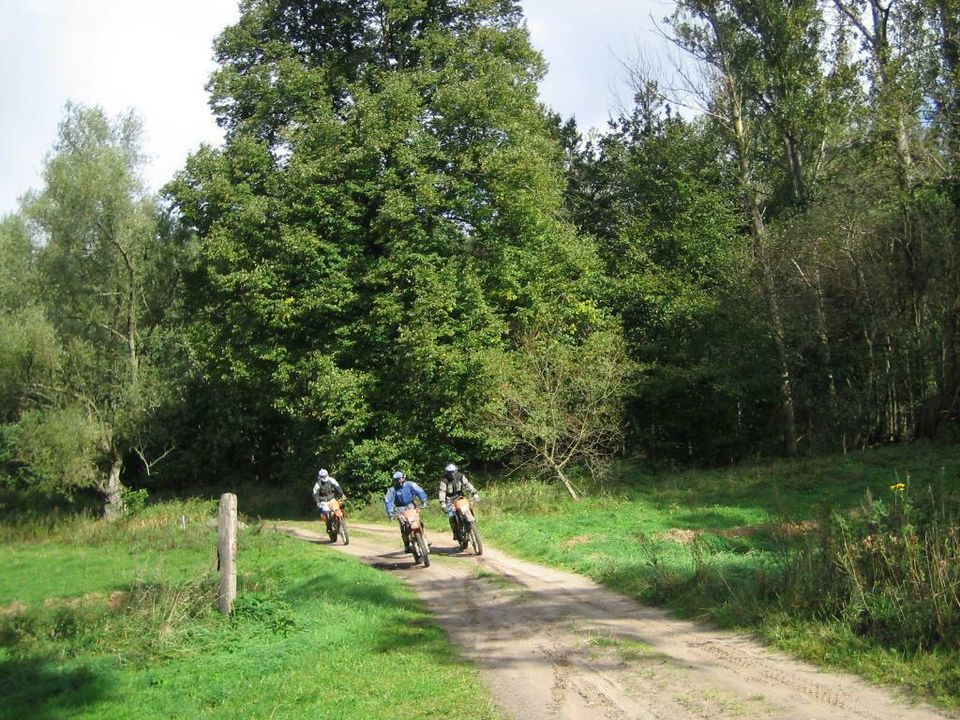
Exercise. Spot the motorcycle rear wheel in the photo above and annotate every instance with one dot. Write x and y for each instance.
(332, 530)
(475, 540)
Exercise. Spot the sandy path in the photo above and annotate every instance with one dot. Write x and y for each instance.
(555, 645)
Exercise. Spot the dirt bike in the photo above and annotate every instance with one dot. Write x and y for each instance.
(332, 515)
(465, 524)
(410, 519)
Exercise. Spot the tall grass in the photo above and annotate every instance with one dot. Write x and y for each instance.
(830, 558)
(890, 570)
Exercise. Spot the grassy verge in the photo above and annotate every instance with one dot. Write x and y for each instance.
(790, 551)
(129, 630)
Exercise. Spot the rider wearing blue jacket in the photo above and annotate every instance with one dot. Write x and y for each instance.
(401, 496)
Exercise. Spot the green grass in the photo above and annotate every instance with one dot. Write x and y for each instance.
(314, 634)
(707, 544)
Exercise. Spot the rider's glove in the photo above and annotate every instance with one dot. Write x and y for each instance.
(476, 496)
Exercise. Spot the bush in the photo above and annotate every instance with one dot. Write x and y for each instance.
(888, 570)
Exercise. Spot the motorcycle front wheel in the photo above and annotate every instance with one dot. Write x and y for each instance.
(475, 542)
(344, 533)
(424, 552)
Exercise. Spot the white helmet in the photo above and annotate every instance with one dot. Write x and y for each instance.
(451, 468)
(323, 474)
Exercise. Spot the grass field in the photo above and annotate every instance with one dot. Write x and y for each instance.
(721, 544)
(119, 621)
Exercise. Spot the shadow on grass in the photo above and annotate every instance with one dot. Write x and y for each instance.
(38, 690)
(374, 595)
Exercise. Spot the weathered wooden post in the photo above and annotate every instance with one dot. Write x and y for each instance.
(227, 551)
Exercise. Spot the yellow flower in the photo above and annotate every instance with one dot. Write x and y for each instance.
(899, 487)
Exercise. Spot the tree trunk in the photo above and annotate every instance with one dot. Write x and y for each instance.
(113, 490)
(768, 284)
(566, 482)
(949, 40)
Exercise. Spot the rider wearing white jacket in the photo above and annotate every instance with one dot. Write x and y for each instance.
(326, 488)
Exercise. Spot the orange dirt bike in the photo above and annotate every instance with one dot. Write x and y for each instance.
(410, 521)
(465, 524)
(332, 515)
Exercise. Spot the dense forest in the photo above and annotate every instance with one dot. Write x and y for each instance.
(399, 256)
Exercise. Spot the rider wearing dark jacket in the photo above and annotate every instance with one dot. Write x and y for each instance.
(454, 484)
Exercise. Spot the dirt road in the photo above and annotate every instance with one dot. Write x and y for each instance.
(556, 645)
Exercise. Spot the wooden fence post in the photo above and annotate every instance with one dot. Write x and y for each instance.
(227, 551)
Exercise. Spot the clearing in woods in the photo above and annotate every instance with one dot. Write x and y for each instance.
(552, 644)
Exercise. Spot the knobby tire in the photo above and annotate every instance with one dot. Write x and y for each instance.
(475, 540)
(424, 552)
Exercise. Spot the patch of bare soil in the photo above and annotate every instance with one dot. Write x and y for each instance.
(13, 608)
(685, 536)
(555, 645)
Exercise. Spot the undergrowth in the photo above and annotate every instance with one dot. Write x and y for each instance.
(853, 561)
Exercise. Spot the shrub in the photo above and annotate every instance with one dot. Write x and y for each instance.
(889, 570)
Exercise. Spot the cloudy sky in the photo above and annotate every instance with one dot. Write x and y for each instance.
(155, 57)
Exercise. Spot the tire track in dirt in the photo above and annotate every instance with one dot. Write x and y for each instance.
(555, 645)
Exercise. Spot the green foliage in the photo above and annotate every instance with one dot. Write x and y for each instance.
(655, 193)
(76, 371)
(61, 447)
(385, 211)
(29, 359)
(559, 402)
(887, 570)
(787, 550)
(134, 645)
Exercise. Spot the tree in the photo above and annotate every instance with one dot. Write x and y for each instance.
(713, 34)
(104, 279)
(559, 402)
(658, 196)
(386, 208)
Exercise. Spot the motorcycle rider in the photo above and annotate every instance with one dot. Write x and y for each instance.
(324, 490)
(399, 497)
(454, 484)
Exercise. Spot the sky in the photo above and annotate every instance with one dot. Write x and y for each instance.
(155, 57)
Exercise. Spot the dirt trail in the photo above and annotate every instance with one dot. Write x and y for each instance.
(555, 645)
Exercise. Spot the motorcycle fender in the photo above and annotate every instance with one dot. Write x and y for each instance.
(468, 516)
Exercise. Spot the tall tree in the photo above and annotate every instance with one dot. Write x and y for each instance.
(387, 206)
(713, 33)
(104, 279)
(663, 208)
